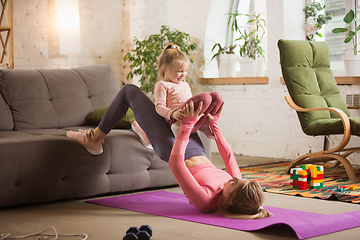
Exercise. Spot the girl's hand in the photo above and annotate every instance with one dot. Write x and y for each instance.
(210, 118)
(178, 115)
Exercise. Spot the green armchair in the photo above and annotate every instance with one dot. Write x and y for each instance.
(316, 98)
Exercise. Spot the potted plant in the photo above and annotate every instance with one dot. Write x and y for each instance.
(352, 62)
(144, 58)
(314, 20)
(226, 55)
(226, 59)
(251, 52)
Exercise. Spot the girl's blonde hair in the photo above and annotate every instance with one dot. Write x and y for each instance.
(170, 57)
(245, 203)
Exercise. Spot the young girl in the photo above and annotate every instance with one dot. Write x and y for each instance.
(172, 93)
(209, 189)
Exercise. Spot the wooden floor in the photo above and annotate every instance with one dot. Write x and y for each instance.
(244, 160)
(106, 223)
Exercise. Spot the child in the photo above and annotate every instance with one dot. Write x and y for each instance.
(172, 93)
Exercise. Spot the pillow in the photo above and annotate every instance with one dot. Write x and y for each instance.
(125, 123)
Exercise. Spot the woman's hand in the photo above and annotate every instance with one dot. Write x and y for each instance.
(210, 118)
(190, 111)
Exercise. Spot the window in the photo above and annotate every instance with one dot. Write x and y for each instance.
(336, 44)
(250, 7)
(217, 31)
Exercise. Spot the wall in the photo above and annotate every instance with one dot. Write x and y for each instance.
(256, 120)
(36, 37)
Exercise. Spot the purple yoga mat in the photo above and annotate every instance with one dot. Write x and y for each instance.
(175, 205)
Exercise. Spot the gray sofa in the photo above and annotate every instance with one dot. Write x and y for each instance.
(39, 163)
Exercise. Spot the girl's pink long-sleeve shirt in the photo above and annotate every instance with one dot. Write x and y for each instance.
(170, 96)
(202, 184)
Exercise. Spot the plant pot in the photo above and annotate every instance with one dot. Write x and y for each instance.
(250, 67)
(227, 65)
(352, 65)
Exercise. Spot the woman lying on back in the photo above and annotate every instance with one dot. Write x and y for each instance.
(208, 188)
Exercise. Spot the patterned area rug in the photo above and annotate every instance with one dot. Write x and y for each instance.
(273, 179)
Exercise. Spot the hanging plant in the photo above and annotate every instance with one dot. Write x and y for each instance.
(314, 19)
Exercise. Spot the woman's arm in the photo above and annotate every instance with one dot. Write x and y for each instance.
(196, 194)
(223, 146)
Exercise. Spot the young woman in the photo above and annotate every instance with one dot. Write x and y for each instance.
(209, 189)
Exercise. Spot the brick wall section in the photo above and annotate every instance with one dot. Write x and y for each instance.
(36, 37)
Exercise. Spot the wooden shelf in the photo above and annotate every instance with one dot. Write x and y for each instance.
(340, 80)
(234, 81)
(346, 80)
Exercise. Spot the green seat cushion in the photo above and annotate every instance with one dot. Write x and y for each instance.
(332, 126)
(125, 123)
(355, 125)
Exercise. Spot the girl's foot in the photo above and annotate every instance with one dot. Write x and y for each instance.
(143, 138)
(175, 129)
(84, 138)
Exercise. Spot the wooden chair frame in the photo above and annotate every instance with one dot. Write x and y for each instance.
(330, 154)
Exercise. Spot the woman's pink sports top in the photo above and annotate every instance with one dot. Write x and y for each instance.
(202, 184)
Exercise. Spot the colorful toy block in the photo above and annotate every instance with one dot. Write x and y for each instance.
(307, 174)
(339, 189)
(306, 167)
(317, 176)
(298, 179)
(353, 187)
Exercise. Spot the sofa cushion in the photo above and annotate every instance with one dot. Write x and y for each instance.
(6, 120)
(125, 123)
(56, 98)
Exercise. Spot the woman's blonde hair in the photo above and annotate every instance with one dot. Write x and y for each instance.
(245, 202)
(169, 57)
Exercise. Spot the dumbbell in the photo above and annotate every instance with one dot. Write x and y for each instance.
(142, 233)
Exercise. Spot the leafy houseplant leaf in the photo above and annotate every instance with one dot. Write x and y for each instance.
(351, 34)
(349, 17)
(339, 30)
(347, 40)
